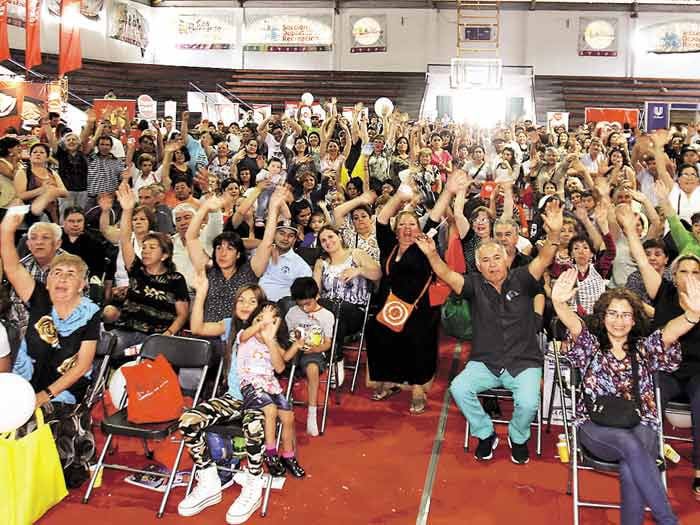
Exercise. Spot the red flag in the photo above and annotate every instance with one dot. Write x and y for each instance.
(4, 43)
(32, 30)
(70, 56)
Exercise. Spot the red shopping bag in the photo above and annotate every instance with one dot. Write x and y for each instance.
(153, 391)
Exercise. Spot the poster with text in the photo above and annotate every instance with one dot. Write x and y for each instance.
(597, 37)
(619, 115)
(16, 12)
(671, 37)
(126, 23)
(368, 34)
(284, 33)
(92, 9)
(120, 111)
(205, 32)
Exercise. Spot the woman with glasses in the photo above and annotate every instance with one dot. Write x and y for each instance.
(617, 357)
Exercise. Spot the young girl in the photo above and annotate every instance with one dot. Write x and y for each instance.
(259, 357)
(224, 409)
(318, 221)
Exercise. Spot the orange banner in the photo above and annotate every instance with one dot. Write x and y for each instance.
(32, 29)
(70, 56)
(4, 42)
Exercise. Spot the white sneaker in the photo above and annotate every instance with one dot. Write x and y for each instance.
(206, 493)
(340, 370)
(248, 502)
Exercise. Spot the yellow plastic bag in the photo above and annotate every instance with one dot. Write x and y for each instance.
(31, 479)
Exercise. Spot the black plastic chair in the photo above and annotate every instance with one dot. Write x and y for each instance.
(180, 352)
(105, 348)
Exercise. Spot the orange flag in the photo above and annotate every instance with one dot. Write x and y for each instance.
(32, 31)
(70, 56)
(4, 43)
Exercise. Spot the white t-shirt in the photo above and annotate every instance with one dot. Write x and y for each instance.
(4, 342)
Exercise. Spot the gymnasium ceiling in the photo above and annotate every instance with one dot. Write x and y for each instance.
(630, 6)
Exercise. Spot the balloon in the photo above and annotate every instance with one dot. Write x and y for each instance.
(678, 419)
(307, 98)
(117, 385)
(20, 401)
(383, 107)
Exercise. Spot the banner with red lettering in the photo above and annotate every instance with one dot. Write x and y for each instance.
(4, 42)
(70, 56)
(32, 29)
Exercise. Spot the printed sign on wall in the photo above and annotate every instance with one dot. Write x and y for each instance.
(283, 33)
(205, 32)
(672, 37)
(597, 37)
(368, 34)
(126, 23)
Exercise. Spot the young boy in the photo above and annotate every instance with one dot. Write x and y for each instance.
(277, 177)
(314, 324)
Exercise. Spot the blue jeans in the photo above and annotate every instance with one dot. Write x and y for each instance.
(476, 378)
(640, 481)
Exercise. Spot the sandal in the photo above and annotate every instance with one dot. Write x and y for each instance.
(382, 395)
(418, 405)
(696, 488)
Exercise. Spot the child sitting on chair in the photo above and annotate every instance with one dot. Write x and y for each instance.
(313, 324)
(260, 355)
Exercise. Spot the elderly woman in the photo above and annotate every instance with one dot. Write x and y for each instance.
(403, 348)
(344, 279)
(157, 300)
(63, 327)
(670, 299)
(617, 358)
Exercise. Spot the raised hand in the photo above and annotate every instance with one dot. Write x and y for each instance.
(105, 201)
(626, 218)
(662, 191)
(690, 299)
(126, 197)
(553, 218)
(457, 182)
(426, 244)
(565, 286)
(199, 282)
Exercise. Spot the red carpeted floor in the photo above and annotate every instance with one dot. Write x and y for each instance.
(371, 467)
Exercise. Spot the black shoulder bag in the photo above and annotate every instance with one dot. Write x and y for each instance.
(614, 411)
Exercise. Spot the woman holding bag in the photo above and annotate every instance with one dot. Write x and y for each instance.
(402, 338)
(617, 359)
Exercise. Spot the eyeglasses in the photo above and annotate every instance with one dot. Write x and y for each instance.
(625, 316)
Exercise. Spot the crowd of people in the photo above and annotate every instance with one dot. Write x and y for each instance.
(270, 237)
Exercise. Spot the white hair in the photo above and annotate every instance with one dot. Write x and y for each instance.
(55, 229)
(488, 244)
(184, 207)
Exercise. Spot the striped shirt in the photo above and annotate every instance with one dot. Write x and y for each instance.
(104, 174)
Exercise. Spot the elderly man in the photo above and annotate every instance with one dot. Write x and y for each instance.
(506, 233)
(43, 241)
(504, 350)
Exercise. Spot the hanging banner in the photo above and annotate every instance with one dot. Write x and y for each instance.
(69, 54)
(88, 8)
(32, 30)
(597, 37)
(368, 34)
(557, 119)
(21, 103)
(283, 33)
(671, 37)
(170, 109)
(205, 32)
(291, 108)
(126, 23)
(4, 42)
(657, 115)
(619, 115)
(121, 111)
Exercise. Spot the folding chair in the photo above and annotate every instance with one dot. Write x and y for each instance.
(180, 352)
(505, 394)
(582, 459)
(105, 348)
(358, 347)
(229, 431)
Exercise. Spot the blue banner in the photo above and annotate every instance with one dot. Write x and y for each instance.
(658, 115)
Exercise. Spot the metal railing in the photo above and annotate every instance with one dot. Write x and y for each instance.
(46, 78)
(227, 92)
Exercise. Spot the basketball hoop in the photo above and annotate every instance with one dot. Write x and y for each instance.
(476, 73)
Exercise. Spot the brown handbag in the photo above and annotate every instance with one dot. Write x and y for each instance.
(396, 311)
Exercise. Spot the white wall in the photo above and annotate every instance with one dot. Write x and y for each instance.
(546, 40)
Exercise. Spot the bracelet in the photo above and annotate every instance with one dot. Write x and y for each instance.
(685, 316)
(49, 393)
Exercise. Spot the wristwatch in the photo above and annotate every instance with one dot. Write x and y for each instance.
(49, 393)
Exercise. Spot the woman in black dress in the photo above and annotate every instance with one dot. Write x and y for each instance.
(408, 356)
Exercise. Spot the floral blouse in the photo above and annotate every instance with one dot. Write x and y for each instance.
(604, 374)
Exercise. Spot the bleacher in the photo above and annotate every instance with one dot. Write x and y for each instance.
(253, 86)
(574, 94)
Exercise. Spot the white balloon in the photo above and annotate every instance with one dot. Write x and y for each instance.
(307, 98)
(117, 384)
(383, 107)
(19, 401)
(679, 419)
